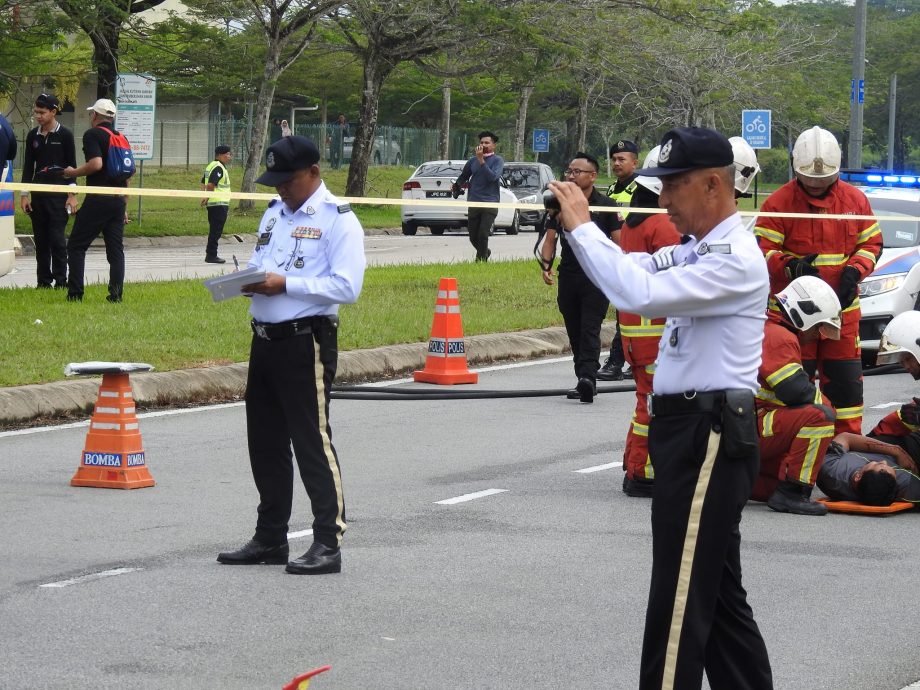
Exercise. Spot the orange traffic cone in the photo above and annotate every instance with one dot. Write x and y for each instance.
(302, 682)
(446, 359)
(113, 457)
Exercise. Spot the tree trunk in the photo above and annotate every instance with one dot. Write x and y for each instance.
(325, 142)
(571, 131)
(260, 126)
(376, 70)
(444, 136)
(582, 121)
(520, 122)
(105, 47)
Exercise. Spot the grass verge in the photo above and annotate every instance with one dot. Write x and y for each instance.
(175, 325)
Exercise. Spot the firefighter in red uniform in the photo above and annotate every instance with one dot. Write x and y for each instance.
(900, 344)
(841, 252)
(796, 423)
(642, 232)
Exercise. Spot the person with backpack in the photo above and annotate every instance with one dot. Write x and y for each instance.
(109, 163)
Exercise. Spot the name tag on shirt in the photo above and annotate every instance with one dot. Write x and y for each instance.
(264, 239)
(304, 233)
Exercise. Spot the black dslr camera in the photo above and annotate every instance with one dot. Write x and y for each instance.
(550, 202)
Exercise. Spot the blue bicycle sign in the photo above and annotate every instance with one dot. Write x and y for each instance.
(541, 140)
(755, 128)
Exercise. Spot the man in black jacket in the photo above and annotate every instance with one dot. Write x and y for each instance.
(49, 149)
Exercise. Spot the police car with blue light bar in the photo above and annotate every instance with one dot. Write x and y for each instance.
(894, 286)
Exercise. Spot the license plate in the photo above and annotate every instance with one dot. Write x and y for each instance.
(441, 194)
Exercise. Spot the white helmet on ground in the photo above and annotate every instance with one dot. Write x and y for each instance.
(746, 165)
(809, 301)
(816, 154)
(901, 335)
(653, 184)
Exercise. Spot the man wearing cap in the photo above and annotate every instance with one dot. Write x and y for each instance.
(581, 304)
(311, 247)
(100, 213)
(49, 149)
(216, 177)
(702, 434)
(840, 252)
(624, 158)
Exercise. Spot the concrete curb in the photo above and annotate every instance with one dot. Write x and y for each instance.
(23, 404)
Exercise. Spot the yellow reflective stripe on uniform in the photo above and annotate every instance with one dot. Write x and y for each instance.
(868, 233)
(318, 371)
(639, 429)
(853, 306)
(866, 254)
(650, 369)
(682, 591)
(767, 424)
(849, 412)
(642, 331)
(815, 434)
(830, 260)
(768, 396)
(912, 427)
(783, 373)
(769, 234)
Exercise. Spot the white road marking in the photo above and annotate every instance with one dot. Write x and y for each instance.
(470, 497)
(598, 468)
(912, 686)
(92, 576)
(882, 406)
(301, 533)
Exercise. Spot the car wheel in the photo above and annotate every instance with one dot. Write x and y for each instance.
(409, 228)
(376, 157)
(437, 231)
(515, 226)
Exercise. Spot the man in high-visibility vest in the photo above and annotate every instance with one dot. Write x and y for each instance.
(216, 178)
(624, 159)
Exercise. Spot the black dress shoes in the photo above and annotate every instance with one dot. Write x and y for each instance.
(610, 372)
(214, 260)
(255, 553)
(318, 560)
(586, 390)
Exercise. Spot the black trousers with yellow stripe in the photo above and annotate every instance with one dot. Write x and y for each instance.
(698, 616)
(287, 405)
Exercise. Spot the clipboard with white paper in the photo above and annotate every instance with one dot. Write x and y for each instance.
(230, 285)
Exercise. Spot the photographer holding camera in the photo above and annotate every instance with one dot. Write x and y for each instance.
(483, 171)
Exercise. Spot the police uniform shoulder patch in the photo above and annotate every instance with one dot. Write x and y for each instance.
(344, 208)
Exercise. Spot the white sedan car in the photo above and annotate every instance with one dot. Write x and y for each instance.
(894, 285)
(433, 180)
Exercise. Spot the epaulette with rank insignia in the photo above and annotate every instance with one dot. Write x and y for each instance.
(344, 208)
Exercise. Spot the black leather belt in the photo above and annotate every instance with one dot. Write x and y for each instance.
(685, 403)
(287, 329)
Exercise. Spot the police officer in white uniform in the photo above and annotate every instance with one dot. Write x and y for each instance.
(311, 247)
(703, 436)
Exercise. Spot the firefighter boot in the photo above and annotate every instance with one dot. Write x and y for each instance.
(795, 497)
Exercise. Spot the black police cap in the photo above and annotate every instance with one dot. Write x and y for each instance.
(624, 146)
(285, 157)
(221, 149)
(691, 148)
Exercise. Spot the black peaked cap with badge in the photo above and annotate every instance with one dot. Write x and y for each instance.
(624, 146)
(691, 148)
(287, 156)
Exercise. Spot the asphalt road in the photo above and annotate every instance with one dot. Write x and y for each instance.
(186, 260)
(540, 585)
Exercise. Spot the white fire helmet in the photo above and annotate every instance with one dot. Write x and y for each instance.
(653, 184)
(816, 154)
(901, 336)
(809, 301)
(746, 165)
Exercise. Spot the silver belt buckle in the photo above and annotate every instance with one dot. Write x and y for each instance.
(260, 331)
(649, 404)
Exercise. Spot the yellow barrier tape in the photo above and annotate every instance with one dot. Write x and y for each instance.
(378, 201)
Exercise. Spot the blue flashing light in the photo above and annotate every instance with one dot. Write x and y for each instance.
(873, 179)
(890, 179)
(908, 179)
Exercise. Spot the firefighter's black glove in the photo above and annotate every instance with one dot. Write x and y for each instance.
(848, 287)
(910, 413)
(796, 268)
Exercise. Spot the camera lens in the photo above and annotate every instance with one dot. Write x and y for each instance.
(550, 202)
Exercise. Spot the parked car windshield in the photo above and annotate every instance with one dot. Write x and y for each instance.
(522, 177)
(439, 170)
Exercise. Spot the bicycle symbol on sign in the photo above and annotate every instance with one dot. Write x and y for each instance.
(756, 125)
(541, 138)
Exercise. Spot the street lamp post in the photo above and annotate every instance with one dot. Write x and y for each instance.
(857, 88)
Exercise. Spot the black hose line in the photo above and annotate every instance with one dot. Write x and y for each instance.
(376, 393)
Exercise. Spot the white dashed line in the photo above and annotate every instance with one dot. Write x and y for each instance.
(301, 533)
(882, 406)
(912, 686)
(470, 497)
(598, 468)
(92, 576)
